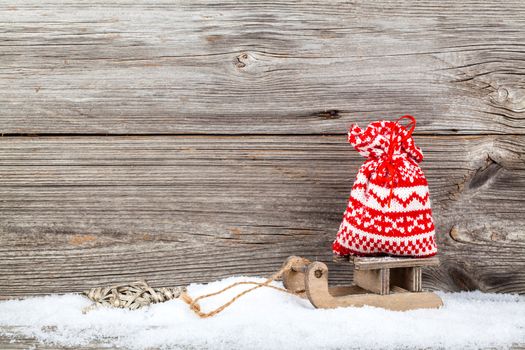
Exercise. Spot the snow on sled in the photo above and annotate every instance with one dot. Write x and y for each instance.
(387, 282)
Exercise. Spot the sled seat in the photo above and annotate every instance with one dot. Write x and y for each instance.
(383, 275)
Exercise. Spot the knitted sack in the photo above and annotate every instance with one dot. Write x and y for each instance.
(389, 207)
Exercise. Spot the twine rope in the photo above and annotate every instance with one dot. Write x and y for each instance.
(195, 307)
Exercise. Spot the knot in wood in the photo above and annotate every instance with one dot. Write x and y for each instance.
(241, 60)
(329, 114)
(509, 98)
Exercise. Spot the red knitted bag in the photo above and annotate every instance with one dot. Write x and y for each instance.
(389, 207)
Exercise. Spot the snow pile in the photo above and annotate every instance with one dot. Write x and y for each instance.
(269, 319)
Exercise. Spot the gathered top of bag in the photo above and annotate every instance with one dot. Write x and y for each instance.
(386, 139)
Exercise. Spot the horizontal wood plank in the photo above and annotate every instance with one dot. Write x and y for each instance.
(374, 263)
(80, 212)
(15, 342)
(11, 339)
(277, 67)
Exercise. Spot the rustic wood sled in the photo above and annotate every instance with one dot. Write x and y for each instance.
(386, 282)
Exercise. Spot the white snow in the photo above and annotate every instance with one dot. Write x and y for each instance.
(269, 319)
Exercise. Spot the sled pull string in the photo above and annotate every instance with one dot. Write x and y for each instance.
(195, 307)
(394, 143)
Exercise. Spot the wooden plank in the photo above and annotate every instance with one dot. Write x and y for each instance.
(11, 340)
(19, 343)
(79, 212)
(278, 67)
(408, 278)
(376, 281)
(371, 263)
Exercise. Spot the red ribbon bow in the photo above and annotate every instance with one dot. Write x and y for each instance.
(388, 162)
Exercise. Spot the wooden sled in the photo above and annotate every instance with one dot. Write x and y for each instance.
(386, 282)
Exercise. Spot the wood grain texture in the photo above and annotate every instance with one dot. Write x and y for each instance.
(79, 212)
(367, 263)
(11, 340)
(84, 204)
(276, 67)
(24, 343)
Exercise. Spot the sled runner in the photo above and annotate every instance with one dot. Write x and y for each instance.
(388, 282)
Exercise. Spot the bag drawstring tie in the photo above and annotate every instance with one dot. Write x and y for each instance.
(388, 162)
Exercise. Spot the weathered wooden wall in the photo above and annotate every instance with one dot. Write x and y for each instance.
(190, 140)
